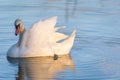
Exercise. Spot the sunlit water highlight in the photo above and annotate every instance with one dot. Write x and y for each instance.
(95, 54)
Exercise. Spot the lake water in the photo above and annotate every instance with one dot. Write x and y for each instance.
(96, 51)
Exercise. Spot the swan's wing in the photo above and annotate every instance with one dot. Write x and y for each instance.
(65, 46)
(57, 36)
(39, 33)
(57, 28)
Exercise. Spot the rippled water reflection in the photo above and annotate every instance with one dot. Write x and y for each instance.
(96, 50)
(43, 68)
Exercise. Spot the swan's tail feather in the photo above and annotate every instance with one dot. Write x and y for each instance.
(66, 45)
(57, 36)
(61, 27)
(60, 36)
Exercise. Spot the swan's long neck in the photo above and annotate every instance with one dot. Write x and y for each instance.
(21, 37)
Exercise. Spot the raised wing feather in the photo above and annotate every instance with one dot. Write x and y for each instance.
(39, 33)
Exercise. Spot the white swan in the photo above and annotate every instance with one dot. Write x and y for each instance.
(40, 40)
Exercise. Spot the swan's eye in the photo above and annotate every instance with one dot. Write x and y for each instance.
(17, 25)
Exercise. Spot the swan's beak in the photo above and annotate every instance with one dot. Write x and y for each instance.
(17, 31)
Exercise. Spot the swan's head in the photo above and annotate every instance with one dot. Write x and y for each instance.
(19, 27)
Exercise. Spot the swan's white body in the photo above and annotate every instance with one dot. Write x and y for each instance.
(41, 40)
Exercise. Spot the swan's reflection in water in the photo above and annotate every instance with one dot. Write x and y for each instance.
(42, 68)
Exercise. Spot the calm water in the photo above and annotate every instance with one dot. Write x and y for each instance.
(95, 54)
